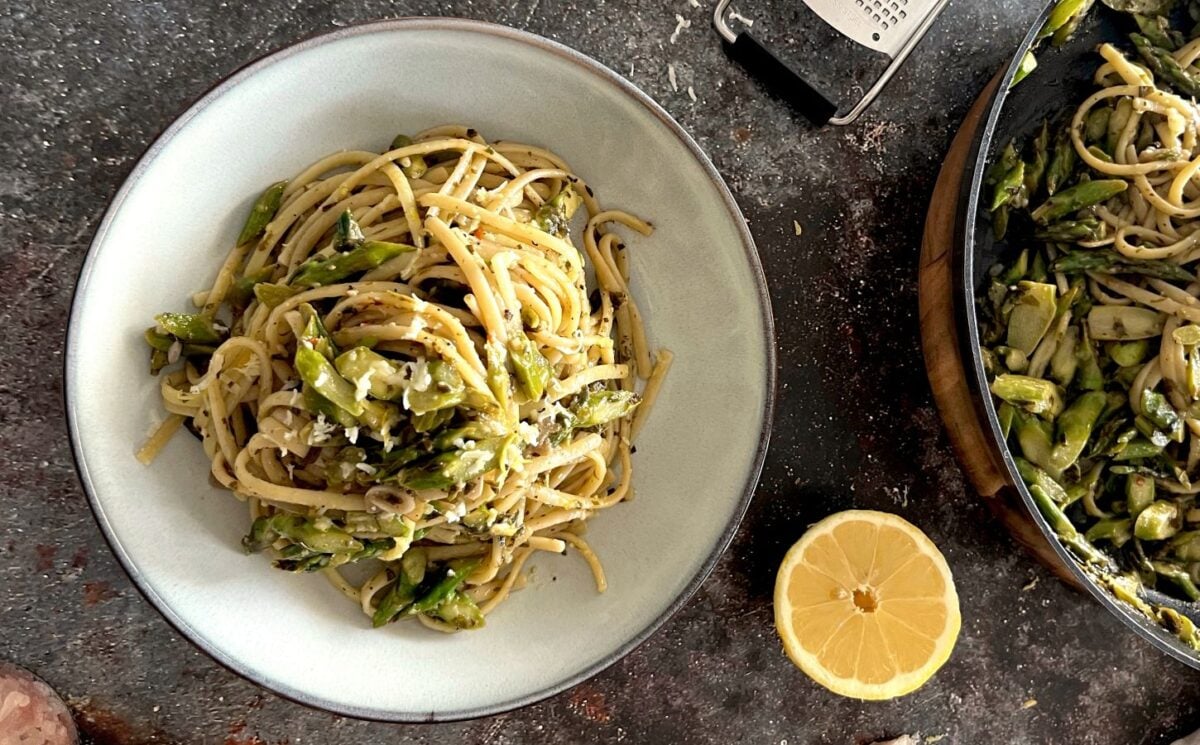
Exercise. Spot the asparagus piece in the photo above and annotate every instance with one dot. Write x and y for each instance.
(1035, 395)
(190, 327)
(460, 611)
(346, 231)
(414, 166)
(315, 335)
(443, 389)
(1158, 31)
(1095, 129)
(1028, 64)
(243, 287)
(454, 467)
(1010, 189)
(395, 601)
(319, 374)
(1072, 231)
(1139, 493)
(1062, 163)
(371, 373)
(1065, 360)
(1062, 526)
(1159, 412)
(555, 215)
(1035, 437)
(362, 258)
(1075, 427)
(1178, 575)
(531, 369)
(431, 420)
(1066, 30)
(1188, 336)
(1128, 353)
(1034, 311)
(449, 580)
(1090, 376)
(1076, 198)
(1036, 168)
(1034, 476)
(1116, 125)
(271, 295)
(262, 212)
(1157, 522)
(602, 407)
(1115, 530)
(1107, 261)
(1165, 66)
(266, 530)
(1122, 322)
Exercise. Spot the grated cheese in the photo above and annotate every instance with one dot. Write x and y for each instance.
(352, 435)
(692, 94)
(671, 77)
(680, 24)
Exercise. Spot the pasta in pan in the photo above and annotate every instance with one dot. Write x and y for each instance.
(399, 367)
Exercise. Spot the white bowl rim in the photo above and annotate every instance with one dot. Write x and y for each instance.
(415, 23)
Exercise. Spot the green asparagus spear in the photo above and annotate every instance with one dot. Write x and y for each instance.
(1010, 189)
(1158, 31)
(1122, 322)
(531, 369)
(1115, 530)
(379, 376)
(1066, 30)
(1117, 121)
(330, 539)
(460, 611)
(1035, 395)
(1090, 376)
(243, 287)
(1075, 426)
(555, 215)
(1065, 360)
(1159, 412)
(272, 295)
(414, 166)
(1035, 169)
(262, 212)
(441, 388)
(1158, 522)
(189, 327)
(1180, 625)
(1178, 575)
(1065, 530)
(319, 373)
(1072, 231)
(1139, 493)
(363, 258)
(455, 467)
(395, 601)
(315, 335)
(1035, 437)
(1165, 66)
(1062, 162)
(1063, 12)
(1095, 128)
(1034, 476)
(1128, 353)
(1036, 305)
(444, 584)
(346, 232)
(1076, 198)
(1028, 64)
(1107, 261)
(601, 407)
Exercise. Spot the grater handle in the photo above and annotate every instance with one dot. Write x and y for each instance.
(781, 79)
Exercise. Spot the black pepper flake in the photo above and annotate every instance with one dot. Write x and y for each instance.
(633, 450)
(589, 191)
(472, 133)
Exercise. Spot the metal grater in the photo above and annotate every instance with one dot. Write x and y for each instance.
(890, 27)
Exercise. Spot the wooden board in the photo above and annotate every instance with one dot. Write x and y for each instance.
(943, 361)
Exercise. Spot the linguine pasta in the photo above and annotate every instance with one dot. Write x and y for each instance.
(414, 376)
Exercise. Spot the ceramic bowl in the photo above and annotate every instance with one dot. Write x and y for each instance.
(697, 279)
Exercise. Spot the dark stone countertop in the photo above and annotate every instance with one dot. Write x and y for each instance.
(86, 84)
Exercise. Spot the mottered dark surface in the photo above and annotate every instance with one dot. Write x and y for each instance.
(84, 87)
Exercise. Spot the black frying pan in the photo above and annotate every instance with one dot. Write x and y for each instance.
(1061, 80)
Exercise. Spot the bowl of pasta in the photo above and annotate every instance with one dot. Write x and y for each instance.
(421, 399)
